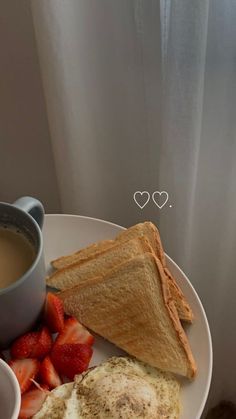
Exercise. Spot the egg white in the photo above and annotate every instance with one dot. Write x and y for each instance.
(125, 388)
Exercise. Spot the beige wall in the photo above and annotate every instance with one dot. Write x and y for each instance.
(26, 162)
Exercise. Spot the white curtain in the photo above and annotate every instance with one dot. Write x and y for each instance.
(198, 164)
(143, 97)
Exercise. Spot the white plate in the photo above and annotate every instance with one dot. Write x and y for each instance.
(67, 233)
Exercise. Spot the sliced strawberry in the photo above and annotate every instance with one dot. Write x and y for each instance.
(74, 332)
(23, 346)
(25, 370)
(31, 402)
(48, 374)
(71, 358)
(44, 344)
(54, 313)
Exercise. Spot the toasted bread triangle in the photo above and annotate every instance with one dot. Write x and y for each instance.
(98, 265)
(132, 307)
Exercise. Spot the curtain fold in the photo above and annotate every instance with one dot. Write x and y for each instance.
(184, 33)
(143, 97)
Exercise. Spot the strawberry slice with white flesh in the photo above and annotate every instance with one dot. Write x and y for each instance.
(54, 313)
(48, 374)
(31, 402)
(74, 332)
(25, 370)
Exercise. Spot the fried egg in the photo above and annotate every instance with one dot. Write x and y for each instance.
(125, 388)
(119, 388)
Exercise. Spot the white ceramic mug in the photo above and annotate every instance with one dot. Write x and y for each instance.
(22, 301)
(10, 396)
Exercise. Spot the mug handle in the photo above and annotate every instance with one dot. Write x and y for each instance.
(32, 206)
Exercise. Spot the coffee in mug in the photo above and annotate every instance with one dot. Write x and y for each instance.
(17, 253)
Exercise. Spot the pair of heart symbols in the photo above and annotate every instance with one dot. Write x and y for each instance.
(142, 198)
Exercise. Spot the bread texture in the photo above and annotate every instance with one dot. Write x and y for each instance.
(151, 233)
(92, 250)
(131, 306)
(98, 264)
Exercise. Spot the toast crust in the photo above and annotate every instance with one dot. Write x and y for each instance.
(175, 320)
(183, 308)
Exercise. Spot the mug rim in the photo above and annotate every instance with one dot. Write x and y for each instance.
(23, 277)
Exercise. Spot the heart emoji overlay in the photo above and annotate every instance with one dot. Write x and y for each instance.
(160, 198)
(141, 198)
